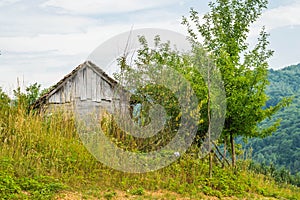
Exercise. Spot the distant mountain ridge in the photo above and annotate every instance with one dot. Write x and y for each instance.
(282, 148)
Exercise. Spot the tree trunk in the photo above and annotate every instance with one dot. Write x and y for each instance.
(232, 149)
(225, 147)
(209, 122)
(210, 163)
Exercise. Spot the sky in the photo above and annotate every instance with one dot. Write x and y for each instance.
(43, 40)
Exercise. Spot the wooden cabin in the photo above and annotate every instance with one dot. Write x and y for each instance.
(86, 89)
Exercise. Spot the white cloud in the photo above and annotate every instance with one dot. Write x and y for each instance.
(31, 19)
(31, 23)
(45, 68)
(43, 40)
(7, 2)
(48, 57)
(105, 6)
(81, 42)
(282, 16)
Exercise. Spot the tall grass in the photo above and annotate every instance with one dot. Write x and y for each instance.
(35, 145)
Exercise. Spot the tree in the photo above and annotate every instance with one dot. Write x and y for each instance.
(4, 100)
(33, 92)
(151, 62)
(244, 72)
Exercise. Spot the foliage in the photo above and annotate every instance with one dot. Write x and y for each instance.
(280, 175)
(225, 30)
(41, 155)
(137, 191)
(109, 194)
(27, 98)
(4, 99)
(21, 188)
(281, 149)
(152, 62)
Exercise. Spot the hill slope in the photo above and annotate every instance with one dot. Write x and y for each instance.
(283, 147)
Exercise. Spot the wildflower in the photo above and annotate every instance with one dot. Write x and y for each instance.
(177, 154)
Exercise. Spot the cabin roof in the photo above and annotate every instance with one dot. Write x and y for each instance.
(43, 99)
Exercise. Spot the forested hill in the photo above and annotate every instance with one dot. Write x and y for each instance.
(282, 148)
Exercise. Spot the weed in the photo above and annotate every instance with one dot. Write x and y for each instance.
(40, 156)
(109, 194)
(137, 191)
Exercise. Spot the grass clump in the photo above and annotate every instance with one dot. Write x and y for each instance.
(33, 188)
(109, 194)
(137, 191)
(42, 155)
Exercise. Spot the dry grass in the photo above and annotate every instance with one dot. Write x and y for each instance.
(157, 195)
(35, 145)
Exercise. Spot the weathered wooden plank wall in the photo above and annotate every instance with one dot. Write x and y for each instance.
(85, 90)
(86, 85)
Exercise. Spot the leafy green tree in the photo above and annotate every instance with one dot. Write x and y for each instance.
(27, 98)
(4, 99)
(5, 105)
(153, 61)
(33, 93)
(225, 30)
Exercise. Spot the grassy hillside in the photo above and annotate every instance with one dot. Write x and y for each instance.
(282, 148)
(41, 157)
